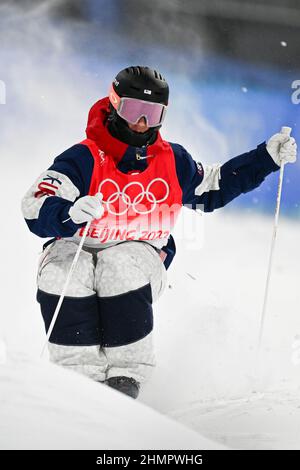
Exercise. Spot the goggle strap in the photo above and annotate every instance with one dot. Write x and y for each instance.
(114, 98)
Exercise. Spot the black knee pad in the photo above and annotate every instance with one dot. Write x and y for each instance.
(77, 323)
(126, 318)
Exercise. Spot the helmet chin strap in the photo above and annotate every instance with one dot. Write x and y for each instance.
(119, 129)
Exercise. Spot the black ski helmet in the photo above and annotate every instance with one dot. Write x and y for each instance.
(131, 82)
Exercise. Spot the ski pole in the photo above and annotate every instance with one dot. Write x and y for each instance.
(286, 131)
(62, 296)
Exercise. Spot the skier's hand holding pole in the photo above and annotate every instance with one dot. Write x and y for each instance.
(87, 208)
(282, 147)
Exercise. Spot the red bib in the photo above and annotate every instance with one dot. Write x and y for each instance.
(137, 205)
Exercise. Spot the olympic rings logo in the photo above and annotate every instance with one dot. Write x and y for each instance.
(129, 203)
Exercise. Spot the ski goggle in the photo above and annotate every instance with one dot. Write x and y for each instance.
(132, 109)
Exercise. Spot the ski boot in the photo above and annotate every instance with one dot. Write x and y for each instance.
(126, 385)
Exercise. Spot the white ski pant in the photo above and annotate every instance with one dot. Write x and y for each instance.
(104, 328)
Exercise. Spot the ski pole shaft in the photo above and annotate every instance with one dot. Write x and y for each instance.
(287, 132)
(62, 296)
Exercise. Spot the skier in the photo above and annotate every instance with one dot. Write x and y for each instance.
(129, 184)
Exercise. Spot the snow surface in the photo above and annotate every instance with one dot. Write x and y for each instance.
(46, 407)
(269, 420)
